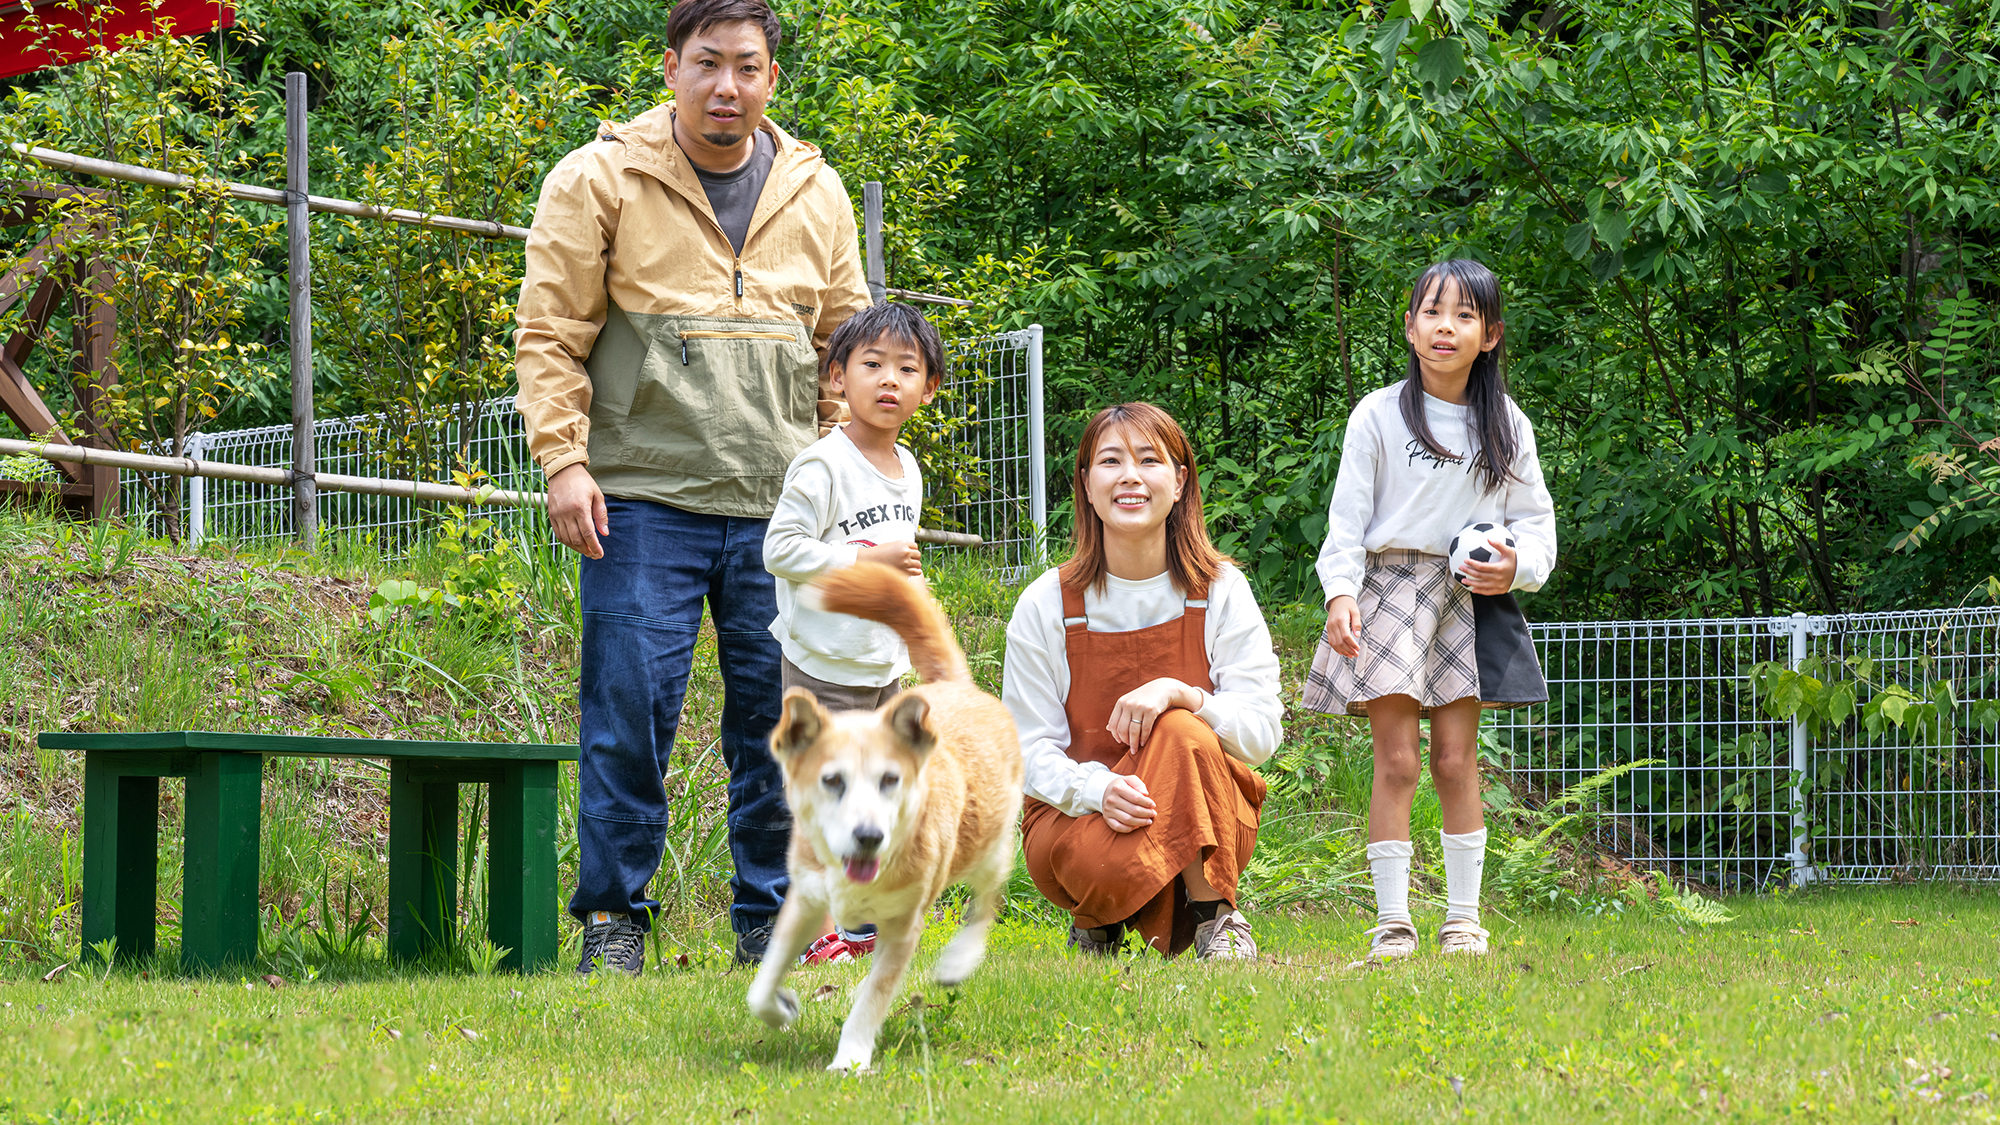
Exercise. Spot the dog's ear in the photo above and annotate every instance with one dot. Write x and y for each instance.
(910, 720)
(799, 726)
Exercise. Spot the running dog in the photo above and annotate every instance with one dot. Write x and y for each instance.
(889, 808)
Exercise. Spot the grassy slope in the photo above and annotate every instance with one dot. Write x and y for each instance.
(1813, 1006)
(103, 633)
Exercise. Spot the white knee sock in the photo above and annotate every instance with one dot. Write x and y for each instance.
(1464, 857)
(1389, 863)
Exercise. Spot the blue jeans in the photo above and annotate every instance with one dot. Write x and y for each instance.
(642, 607)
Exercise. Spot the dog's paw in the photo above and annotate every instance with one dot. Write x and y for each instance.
(851, 1062)
(957, 962)
(779, 1009)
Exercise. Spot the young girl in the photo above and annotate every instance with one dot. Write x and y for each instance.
(1405, 638)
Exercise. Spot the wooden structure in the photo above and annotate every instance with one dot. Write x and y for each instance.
(222, 819)
(45, 277)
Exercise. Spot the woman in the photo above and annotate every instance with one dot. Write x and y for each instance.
(1143, 683)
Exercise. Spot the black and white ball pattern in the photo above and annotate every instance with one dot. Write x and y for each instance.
(1475, 542)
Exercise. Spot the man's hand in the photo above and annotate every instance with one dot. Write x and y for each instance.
(1493, 577)
(1343, 626)
(902, 556)
(1127, 805)
(576, 511)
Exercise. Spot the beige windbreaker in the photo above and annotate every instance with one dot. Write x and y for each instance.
(676, 369)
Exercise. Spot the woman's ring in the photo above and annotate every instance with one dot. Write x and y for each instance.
(1135, 722)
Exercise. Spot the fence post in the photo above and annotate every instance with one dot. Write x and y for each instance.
(1802, 873)
(1038, 472)
(871, 231)
(197, 495)
(298, 216)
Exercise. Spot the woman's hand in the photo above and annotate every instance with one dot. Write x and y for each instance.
(1492, 577)
(1127, 805)
(1343, 626)
(1133, 716)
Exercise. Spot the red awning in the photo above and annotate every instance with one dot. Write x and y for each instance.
(67, 36)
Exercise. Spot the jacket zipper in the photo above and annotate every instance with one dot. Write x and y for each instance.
(707, 334)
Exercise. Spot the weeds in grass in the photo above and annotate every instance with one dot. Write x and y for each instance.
(1676, 904)
(1318, 865)
(35, 911)
(341, 939)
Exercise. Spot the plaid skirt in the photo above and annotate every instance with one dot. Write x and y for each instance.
(1424, 635)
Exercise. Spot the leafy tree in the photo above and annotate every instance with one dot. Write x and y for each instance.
(179, 266)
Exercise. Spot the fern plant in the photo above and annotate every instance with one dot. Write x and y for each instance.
(1526, 872)
(1677, 904)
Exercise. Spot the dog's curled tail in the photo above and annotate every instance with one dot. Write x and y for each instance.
(880, 593)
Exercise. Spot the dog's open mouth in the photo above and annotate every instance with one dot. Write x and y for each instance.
(863, 870)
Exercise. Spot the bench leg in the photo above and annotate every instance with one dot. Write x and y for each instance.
(423, 864)
(121, 859)
(521, 879)
(219, 880)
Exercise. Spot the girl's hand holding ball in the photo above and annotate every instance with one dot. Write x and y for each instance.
(1496, 577)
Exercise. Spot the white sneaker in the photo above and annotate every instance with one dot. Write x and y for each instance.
(1462, 937)
(1390, 941)
(1226, 937)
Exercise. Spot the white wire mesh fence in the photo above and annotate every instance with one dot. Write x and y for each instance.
(487, 436)
(993, 393)
(1741, 800)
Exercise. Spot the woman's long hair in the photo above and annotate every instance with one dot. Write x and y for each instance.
(1191, 559)
(1485, 387)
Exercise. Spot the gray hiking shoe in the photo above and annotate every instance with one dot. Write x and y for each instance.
(613, 941)
(1104, 941)
(1225, 938)
(751, 944)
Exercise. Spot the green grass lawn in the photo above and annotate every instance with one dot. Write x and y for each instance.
(1850, 1005)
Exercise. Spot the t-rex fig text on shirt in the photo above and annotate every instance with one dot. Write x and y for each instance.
(879, 513)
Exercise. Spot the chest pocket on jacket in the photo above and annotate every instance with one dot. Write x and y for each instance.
(718, 397)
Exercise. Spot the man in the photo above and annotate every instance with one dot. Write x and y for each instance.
(683, 272)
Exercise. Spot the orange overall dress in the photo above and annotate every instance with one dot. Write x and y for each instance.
(1206, 801)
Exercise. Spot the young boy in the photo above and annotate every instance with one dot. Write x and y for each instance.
(854, 496)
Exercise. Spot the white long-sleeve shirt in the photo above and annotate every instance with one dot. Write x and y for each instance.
(1244, 709)
(1392, 493)
(834, 503)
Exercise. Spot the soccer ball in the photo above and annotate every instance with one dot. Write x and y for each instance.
(1475, 542)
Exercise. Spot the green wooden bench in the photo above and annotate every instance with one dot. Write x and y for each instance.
(224, 772)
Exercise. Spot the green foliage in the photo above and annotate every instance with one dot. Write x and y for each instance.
(1527, 871)
(1676, 904)
(1701, 222)
(26, 467)
(478, 581)
(413, 324)
(178, 269)
(37, 912)
(1318, 868)
(1818, 693)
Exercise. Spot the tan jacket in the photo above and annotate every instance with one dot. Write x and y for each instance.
(648, 349)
